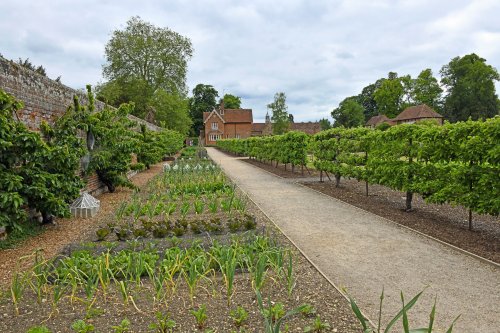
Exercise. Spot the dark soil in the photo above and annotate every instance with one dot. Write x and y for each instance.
(444, 222)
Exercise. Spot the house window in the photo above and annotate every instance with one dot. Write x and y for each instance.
(237, 136)
(214, 137)
(215, 126)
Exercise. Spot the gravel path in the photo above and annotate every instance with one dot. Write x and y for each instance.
(363, 252)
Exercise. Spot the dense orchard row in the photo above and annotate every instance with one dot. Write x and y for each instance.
(455, 163)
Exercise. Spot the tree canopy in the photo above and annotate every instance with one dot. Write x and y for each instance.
(389, 96)
(470, 84)
(231, 101)
(348, 114)
(142, 59)
(204, 99)
(172, 111)
(279, 118)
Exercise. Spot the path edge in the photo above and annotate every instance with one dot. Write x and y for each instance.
(446, 244)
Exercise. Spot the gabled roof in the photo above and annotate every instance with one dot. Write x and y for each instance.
(238, 115)
(375, 120)
(416, 112)
(308, 128)
(211, 114)
(258, 127)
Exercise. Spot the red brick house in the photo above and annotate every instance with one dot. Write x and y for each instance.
(224, 123)
(377, 120)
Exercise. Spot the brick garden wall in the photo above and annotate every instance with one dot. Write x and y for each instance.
(45, 99)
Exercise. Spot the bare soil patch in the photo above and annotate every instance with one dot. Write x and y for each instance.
(444, 222)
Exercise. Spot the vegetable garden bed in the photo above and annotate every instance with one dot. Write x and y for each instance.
(201, 266)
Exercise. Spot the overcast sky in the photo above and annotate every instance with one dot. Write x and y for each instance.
(317, 52)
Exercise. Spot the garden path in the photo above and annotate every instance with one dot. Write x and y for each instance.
(363, 253)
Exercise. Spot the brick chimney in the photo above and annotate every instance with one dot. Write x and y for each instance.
(221, 107)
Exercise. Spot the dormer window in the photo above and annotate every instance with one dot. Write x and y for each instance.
(215, 126)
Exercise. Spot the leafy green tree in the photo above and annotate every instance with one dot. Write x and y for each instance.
(426, 90)
(389, 96)
(367, 100)
(204, 99)
(325, 124)
(141, 59)
(231, 101)
(280, 119)
(172, 111)
(348, 114)
(470, 85)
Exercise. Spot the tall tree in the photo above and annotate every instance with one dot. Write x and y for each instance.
(172, 111)
(143, 55)
(367, 100)
(470, 84)
(325, 124)
(426, 90)
(280, 119)
(349, 113)
(389, 96)
(204, 99)
(231, 101)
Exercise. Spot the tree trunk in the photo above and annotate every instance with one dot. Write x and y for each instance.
(409, 197)
(321, 176)
(47, 218)
(470, 219)
(337, 180)
(366, 188)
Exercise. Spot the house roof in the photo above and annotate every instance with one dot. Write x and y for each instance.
(210, 114)
(258, 127)
(375, 120)
(238, 116)
(308, 128)
(205, 116)
(416, 112)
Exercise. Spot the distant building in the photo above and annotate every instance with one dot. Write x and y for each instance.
(418, 113)
(224, 123)
(410, 115)
(377, 120)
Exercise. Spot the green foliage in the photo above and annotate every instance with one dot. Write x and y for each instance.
(141, 59)
(470, 85)
(239, 316)
(200, 315)
(171, 110)
(389, 96)
(123, 327)
(163, 324)
(274, 315)
(317, 326)
(325, 124)
(231, 101)
(33, 173)
(290, 147)
(38, 329)
(81, 326)
(426, 90)
(280, 117)
(403, 313)
(454, 163)
(204, 100)
(155, 145)
(348, 114)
